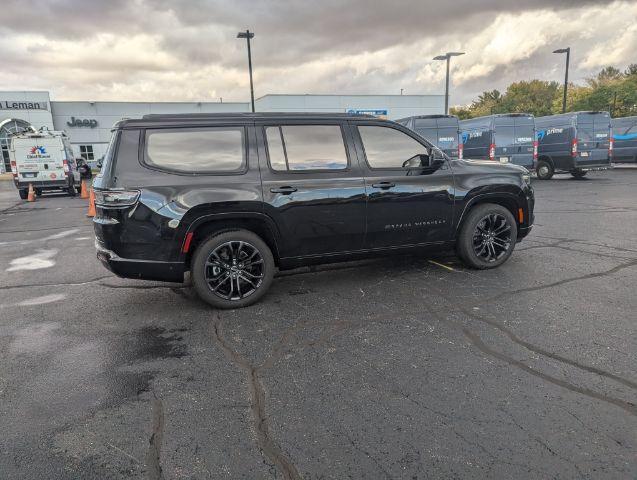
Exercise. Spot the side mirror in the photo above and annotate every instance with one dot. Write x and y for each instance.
(420, 160)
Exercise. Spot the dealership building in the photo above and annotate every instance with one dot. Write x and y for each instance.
(88, 124)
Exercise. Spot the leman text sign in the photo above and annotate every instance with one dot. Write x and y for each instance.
(22, 105)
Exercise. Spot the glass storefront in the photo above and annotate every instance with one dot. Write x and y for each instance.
(7, 127)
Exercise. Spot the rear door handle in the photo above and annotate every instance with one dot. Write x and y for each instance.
(383, 185)
(284, 190)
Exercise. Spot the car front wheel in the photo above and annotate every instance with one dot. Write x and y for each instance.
(232, 269)
(487, 236)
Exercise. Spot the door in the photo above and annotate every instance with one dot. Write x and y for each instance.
(409, 199)
(312, 187)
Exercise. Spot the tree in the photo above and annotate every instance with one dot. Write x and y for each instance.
(610, 90)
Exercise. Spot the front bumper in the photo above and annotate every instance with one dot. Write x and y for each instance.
(140, 269)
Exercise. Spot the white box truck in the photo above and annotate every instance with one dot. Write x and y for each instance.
(45, 160)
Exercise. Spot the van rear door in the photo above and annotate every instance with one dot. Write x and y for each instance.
(39, 159)
(593, 139)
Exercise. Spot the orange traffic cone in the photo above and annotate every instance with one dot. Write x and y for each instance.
(31, 196)
(91, 204)
(84, 190)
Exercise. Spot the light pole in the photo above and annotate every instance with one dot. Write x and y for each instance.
(248, 35)
(567, 51)
(446, 57)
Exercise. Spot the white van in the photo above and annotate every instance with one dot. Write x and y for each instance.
(45, 160)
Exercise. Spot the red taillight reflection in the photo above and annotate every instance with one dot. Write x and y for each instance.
(535, 144)
(492, 151)
(574, 148)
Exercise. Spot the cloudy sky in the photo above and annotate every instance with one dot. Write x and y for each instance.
(172, 50)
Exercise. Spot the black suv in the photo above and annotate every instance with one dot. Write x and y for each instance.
(233, 197)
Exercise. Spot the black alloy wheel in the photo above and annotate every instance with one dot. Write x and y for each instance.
(487, 236)
(492, 237)
(232, 269)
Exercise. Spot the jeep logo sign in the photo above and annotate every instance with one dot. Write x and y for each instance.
(78, 122)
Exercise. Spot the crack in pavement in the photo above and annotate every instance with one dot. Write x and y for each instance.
(484, 348)
(604, 273)
(59, 284)
(48, 228)
(153, 454)
(478, 343)
(257, 405)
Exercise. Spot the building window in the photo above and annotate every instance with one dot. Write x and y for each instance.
(86, 152)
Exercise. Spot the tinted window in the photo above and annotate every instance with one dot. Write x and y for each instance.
(524, 134)
(504, 136)
(585, 132)
(306, 147)
(387, 147)
(430, 134)
(219, 149)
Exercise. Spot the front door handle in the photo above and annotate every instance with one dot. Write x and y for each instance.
(284, 190)
(383, 185)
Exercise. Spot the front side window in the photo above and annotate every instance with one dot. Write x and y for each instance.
(387, 147)
(306, 147)
(197, 150)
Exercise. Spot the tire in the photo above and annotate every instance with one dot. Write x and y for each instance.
(544, 170)
(251, 283)
(478, 238)
(24, 194)
(577, 173)
(38, 192)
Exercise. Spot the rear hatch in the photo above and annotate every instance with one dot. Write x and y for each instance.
(39, 159)
(593, 139)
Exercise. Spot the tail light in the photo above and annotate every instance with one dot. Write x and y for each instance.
(611, 144)
(65, 163)
(492, 151)
(116, 198)
(574, 148)
(535, 144)
(14, 168)
(460, 150)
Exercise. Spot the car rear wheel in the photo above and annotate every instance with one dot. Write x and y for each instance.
(232, 269)
(577, 173)
(544, 170)
(487, 236)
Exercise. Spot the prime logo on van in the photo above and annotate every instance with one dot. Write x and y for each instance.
(79, 122)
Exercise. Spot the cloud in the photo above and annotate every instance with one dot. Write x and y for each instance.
(188, 50)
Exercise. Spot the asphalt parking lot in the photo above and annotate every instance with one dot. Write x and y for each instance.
(402, 367)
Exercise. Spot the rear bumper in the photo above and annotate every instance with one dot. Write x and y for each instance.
(64, 183)
(140, 269)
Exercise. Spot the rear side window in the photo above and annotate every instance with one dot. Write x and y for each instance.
(306, 147)
(197, 150)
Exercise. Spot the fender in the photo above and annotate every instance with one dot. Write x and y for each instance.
(478, 197)
(228, 216)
